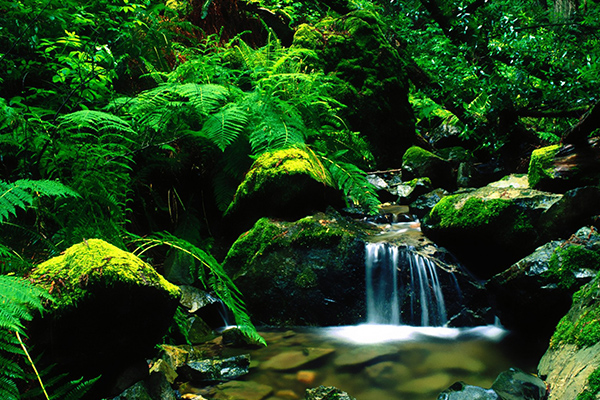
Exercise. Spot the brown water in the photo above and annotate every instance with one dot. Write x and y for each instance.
(403, 363)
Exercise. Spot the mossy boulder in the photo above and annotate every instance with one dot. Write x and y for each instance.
(307, 272)
(354, 49)
(492, 227)
(559, 168)
(571, 364)
(110, 309)
(535, 293)
(420, 163)
(286, 184)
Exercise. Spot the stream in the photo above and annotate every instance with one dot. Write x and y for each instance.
(372, 362)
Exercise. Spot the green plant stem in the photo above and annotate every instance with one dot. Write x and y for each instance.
(33, 365)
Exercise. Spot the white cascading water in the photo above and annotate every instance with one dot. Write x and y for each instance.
(427, 306)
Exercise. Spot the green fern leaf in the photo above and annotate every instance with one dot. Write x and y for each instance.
(219, 281)
(95, 121)
(21, 194)
(224, 127)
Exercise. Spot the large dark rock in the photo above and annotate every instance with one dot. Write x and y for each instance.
(463, 391)
(492, 227)
(534, 293)
(571, 365)
(308, 272)
(559, 168)
(514, 384)
(286, 184)
(110, 310)
(354, 48)
(216, 370)
(420, 163)
(312, 272)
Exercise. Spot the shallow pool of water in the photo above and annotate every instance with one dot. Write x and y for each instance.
(375, 362)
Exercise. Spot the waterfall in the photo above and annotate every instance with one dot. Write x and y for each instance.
(403, 287)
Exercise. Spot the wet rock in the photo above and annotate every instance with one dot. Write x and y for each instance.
(515, 384)
(306, 377)
(574, 351)
(497, 223)
(534, 293)
(420, 163)
(175, 356)
(425, 385)
(327, 393)
(424, 203)
(295, 359)
(559, 168)
(135, 392)
(246, 390)
(107, 302)
(216, 370)
(286, 395)
(155, 387)
(388, 373)
(362, 355)
(408, 192)
(164, 368)
(462, 391)
(308, 272)
(286, 184)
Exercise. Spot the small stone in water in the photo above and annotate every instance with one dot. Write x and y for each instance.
(426, 385)
(295, 359)
(287, 395)
(306, 377)
(363, 354)
(388, 373)
(246, 390)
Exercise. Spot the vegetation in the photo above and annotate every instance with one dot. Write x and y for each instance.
(136, 122)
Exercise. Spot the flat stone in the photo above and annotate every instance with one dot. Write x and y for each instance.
(362, 355)
(388, 373)
(453, 361)
(295, 359)
(246, 390)
(426, 385)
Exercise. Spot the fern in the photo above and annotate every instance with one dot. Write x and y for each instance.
(224, 127)
(218, 280)
(353, 182)
(22, 193)
(95, 121)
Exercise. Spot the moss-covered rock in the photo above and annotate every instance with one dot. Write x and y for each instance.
(418, 162)
(571, 363)
(540, 165)
(111, 308)
(288, 184)
(491, 227)
(535, 293)
(354, 48)
(307, 272)
(559, 168)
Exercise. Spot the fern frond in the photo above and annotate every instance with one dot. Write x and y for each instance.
(219, 281)
(353, 182)
(224, 127)
(206, 98)
(95, 121)
(18, 299)
(22, 193)
(8, 389)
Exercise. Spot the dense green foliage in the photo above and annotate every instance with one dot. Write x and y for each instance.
(120, 119)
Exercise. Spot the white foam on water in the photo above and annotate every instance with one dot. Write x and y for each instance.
(378, 333)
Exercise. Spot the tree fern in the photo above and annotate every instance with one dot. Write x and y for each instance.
(217, 279)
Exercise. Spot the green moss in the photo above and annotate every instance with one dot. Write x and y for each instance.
(306, 279)
(94, 262)
(277, 166)
(565, 261)
(457, 212)
(419, 181)
(416, 155)
(593, 387)
(581, 326)
(540, 165)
